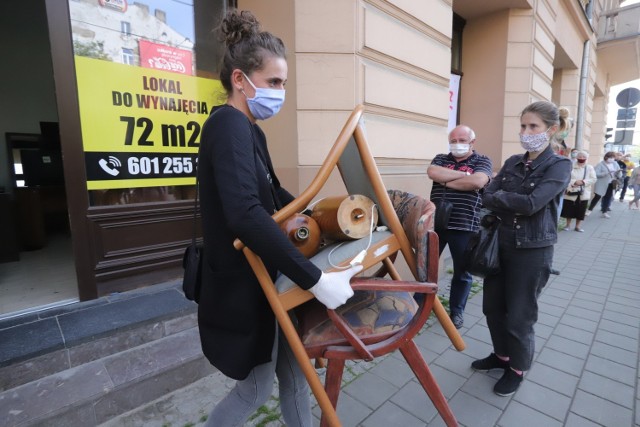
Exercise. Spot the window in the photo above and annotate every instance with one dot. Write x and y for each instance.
(128, 56)
(125, 29)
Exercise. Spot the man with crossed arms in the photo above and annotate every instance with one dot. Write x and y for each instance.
(464, 173)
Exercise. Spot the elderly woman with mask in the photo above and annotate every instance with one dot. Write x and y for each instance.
(607, 171)
(583, 176)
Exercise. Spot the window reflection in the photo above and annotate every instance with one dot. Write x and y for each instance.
(169, 35)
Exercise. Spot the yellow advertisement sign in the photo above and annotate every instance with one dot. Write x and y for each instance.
(141, 127)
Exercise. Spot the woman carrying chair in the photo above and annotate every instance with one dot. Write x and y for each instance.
(239, 192)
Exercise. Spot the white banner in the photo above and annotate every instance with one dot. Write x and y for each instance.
(454, 88)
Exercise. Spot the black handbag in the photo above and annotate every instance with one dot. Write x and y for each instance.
(482, 257)
(192, 261)
(443, 212)
(581, 189)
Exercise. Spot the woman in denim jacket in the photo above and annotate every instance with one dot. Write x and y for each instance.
(525, 194)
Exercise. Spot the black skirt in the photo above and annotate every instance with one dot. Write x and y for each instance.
(574, 209)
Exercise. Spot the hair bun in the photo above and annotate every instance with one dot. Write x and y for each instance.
(237, 26)
(563, 112)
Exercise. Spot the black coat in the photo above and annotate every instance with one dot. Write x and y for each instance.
(237, 326)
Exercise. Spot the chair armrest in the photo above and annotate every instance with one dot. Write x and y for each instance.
(380, 284)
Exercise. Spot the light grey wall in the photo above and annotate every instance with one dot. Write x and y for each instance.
(27, 93)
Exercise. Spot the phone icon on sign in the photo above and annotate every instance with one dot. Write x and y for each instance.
(111, 166)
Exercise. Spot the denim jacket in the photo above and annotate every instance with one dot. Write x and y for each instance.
(527, 198)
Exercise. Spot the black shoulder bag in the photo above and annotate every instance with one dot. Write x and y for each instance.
(482, 257)
(443, 212)
(192, 261)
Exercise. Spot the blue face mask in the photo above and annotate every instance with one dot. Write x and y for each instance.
(266, 102)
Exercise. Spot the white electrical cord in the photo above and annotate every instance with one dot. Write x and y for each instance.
(360, 256)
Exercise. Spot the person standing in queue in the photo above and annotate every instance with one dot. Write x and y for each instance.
(461, 173)
(525, 194)
(239, 192)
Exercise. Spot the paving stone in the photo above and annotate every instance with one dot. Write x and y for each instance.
(395, 370)
(480, 333)
(547, 319)
(617, 328)
(543, 331)
(579, 322)
(433, 342)
(617, 340)
(584, 314)
(390, 414)
(588, 296)
(480, 385)
(471, 411)
(520, 415)
(574, 334)
(544, 399)
(568, 346)
(456, 362)
(622, 305)
(448, 381)
(371, 390)
(622, 318)
(574, 420)
(350, 411)
(32, 369)
(615, 354)
(413, 399)
(608, 389)
(553, 378)
(563, 362)
(612, 370)
(476, 349)
(601, 411)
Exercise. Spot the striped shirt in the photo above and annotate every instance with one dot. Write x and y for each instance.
(466, 204)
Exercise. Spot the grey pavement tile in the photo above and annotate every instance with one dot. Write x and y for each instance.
(589, 305)
(456, 362)
(433, 342)
(449, 382)
(547, 319)
(371, 390)
(612, 370)
(554, 379)
(568, 346)
(557, 294)
(617, 340)
(480, 385)
(574, 334)
(588, 296)
(623, 308)
(395, 370)
(479, 332)
(413, 399)
(471, 411)
(549, 300)
(551, 310)
(476, 349)
(623, 318)
(637, 412)
(350, 411)
(626, 305)
(519, 415)
(543, 399)
(615, 327)
(601, 411)
(607, 388)
(563, 362)
(579, 322)
(584, 313)
(574, 420)
(626, 288)
(390, 415)
(596, 290)
(615, 354)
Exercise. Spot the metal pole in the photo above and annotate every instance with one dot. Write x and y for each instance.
(582, 93)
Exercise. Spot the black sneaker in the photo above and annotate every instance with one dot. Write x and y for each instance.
(508, 383)
(457, 319)
(488, 363)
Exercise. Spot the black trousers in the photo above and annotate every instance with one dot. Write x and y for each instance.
(510, 299)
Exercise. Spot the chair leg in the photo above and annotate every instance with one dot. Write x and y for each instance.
(332, 382)
(419, 367)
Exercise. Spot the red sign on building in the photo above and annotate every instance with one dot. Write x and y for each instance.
(163, 57)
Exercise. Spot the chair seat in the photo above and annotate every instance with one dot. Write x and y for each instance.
(372, 315)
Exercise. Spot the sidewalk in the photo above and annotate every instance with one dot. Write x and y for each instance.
(585, 371)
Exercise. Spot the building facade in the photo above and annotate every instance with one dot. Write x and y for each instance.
(417, 67)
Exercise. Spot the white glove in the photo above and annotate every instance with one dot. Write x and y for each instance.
(333, 289)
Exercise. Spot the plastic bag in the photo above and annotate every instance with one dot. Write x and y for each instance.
(482, 256)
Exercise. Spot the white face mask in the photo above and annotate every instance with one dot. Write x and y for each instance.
(459, 150)
(611, 160)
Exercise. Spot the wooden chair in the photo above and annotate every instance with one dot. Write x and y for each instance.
(339, 339)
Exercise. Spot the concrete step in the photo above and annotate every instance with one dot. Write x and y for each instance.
(100, 390)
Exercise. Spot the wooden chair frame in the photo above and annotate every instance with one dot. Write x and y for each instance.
(282, 302)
